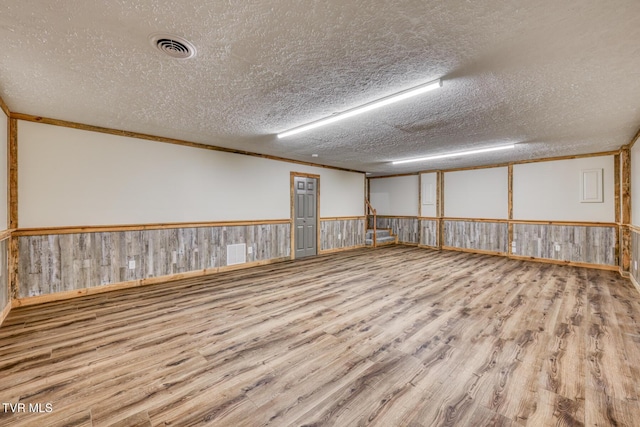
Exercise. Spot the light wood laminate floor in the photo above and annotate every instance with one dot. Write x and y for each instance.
(397, 336)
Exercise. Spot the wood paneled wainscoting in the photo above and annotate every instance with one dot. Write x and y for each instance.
(588, 244)
(342, 233)
(429, 229)
(483, 236)
(5, 294)
(634, 268)
(68, 262)
(407, 228)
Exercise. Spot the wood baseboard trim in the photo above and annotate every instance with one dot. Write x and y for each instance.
(474, 251)
(333, 251)
(429, 247)
(380, 244)
(5, 312)
(526, 258)
(59, 296)
(569, 263)
(409, 244)
(634, 282)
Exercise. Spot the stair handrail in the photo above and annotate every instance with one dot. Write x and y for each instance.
(375, 221)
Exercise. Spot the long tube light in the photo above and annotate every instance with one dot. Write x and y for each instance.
(459, 153)
(391, 99)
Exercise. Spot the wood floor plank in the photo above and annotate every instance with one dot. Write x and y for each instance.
(396, 336)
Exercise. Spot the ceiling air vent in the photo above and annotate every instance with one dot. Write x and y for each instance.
(173, 46)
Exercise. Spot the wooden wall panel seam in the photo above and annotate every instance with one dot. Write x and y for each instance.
(625, 206)
(12, 181)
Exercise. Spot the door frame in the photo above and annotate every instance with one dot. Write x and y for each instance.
(292, 188)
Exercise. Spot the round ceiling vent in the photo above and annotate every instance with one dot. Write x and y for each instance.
(173, 46)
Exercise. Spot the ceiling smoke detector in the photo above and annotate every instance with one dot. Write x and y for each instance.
(173, 46)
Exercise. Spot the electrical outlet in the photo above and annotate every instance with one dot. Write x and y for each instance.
(249, 250)
(339, 236)
(132, 264)
(556, 247)
(513, 247)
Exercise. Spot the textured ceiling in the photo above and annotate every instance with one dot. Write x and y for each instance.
(560, 78)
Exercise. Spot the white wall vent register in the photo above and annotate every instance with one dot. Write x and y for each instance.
(236, 254)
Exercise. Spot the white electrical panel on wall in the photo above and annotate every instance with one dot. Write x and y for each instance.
(591, 186)
(428, 194)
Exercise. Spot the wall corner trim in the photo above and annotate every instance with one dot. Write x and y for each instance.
(5, 312)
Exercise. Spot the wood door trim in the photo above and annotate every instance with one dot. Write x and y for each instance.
(292, 188)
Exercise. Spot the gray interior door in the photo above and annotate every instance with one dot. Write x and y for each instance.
(305, 234)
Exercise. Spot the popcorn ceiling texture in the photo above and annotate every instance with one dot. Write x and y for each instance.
(561, 77)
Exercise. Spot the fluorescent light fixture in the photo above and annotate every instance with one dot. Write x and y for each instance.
(459, 153)
(391, 99)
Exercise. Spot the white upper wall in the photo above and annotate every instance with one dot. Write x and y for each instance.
(477, 193)
(69, 177)
(429, 188)
(4, 125)
(395, 196)
(635, 184)
(550, 191)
